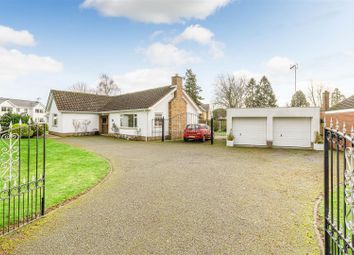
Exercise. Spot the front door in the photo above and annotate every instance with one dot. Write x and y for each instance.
(104, 124)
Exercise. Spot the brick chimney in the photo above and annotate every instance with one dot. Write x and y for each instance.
(178, 82)
(177, 110)
(325, 101)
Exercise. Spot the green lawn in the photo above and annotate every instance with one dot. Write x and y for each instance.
(69, 172)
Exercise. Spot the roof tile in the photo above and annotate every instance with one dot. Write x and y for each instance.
(83, 102)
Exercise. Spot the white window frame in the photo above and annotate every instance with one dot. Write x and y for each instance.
(134, 121)
(158, 119)
(55, 120)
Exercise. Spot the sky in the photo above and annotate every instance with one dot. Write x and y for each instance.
(52, 44)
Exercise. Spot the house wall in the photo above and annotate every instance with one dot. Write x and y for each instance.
(86, 122)
(192, 112)
(140, 130)
(161, 107)
(6, 104)
(344, 116)
(271, 113)
(40, 116)
(54, 110)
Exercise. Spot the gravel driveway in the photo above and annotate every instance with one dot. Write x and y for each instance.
(193, 198)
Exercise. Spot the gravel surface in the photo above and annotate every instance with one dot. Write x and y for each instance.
(193, 198)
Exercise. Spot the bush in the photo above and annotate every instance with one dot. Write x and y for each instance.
(319, 138)
(230, 136)
(9, 117)
(40, 129)
(24, 130)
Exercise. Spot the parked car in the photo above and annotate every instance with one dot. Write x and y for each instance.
(200, 132)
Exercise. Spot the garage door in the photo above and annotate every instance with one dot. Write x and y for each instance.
(250, 131)
(292, 132)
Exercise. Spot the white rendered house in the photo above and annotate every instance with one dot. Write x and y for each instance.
(136, 114)
(34, 109)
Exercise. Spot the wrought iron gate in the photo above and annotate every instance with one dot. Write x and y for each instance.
(172, 128)
(339, 189)
(22, 174)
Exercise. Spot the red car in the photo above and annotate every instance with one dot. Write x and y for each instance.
(200, 132)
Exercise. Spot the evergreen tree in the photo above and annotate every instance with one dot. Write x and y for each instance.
(264, 94)
(336, 96)
(299, 100)
(191, 87)
(250, 100)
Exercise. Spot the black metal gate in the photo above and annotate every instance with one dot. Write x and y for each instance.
(172, 128)
(339, 189)
(22, 174)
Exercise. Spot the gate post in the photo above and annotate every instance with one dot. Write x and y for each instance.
(44, 167)
(326, 191)
(163, 130)
(212, 131)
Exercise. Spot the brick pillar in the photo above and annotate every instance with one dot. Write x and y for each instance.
(177, 110)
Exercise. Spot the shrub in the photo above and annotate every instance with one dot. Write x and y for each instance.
(319, 138)
(230, 136)
(24, 130)
(9, 117)
(40, 129)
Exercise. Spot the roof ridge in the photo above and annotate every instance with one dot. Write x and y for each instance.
(145, 90)
(129, 93)
(77, 92)
(7, 98)
(342, 104)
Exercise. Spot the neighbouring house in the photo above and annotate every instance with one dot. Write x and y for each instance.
(138, 114)
(34, 109)
(343, 112)
(274, 127)
(206, 112)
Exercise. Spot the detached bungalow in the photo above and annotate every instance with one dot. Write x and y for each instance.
(136, 114)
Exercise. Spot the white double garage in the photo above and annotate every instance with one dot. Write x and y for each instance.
(278, 127)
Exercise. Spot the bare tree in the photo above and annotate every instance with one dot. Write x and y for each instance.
(230, 91)
(81, 87)
(107, 86)
(314, 94)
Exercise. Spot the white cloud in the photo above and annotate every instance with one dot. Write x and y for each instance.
(9, 36)
(156, 11)
(279, 64)
(14, 63)
(202, 36)
(141, 79)
(196, 33)
(168, 55)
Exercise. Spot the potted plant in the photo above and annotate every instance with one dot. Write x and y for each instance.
(318, 145)
(230, 139)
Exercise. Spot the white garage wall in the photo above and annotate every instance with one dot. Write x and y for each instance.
(270, 113)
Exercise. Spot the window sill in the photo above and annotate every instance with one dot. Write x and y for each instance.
(132, 128)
